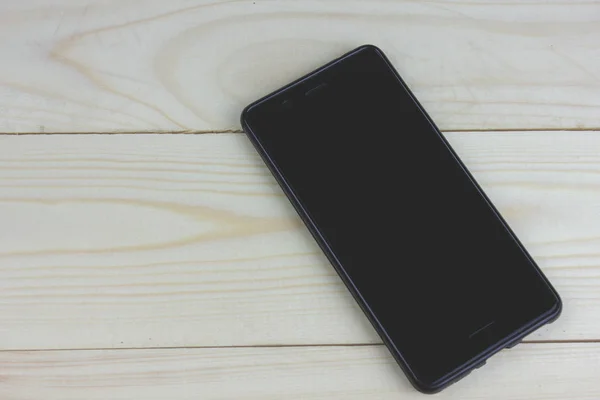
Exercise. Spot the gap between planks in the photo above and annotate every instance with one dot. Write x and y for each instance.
(182, 132)
(267, 346)
(216, 131)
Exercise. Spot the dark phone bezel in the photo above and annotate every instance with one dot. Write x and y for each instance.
(475, 362)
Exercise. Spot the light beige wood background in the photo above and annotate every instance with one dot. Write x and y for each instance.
(548, 371)
(154, 65)
(171, 267)
(185, 241)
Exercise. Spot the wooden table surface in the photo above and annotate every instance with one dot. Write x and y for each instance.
(149, 265)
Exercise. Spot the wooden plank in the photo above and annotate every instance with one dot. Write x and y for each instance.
(153, 65)
(565, 371)
(186, 240)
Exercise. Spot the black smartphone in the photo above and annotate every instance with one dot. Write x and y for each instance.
(436, 269)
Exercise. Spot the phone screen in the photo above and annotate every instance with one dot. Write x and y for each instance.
(395, 210)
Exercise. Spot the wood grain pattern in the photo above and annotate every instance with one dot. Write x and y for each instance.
(541, 371)
(186, 240)
(153, 65)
